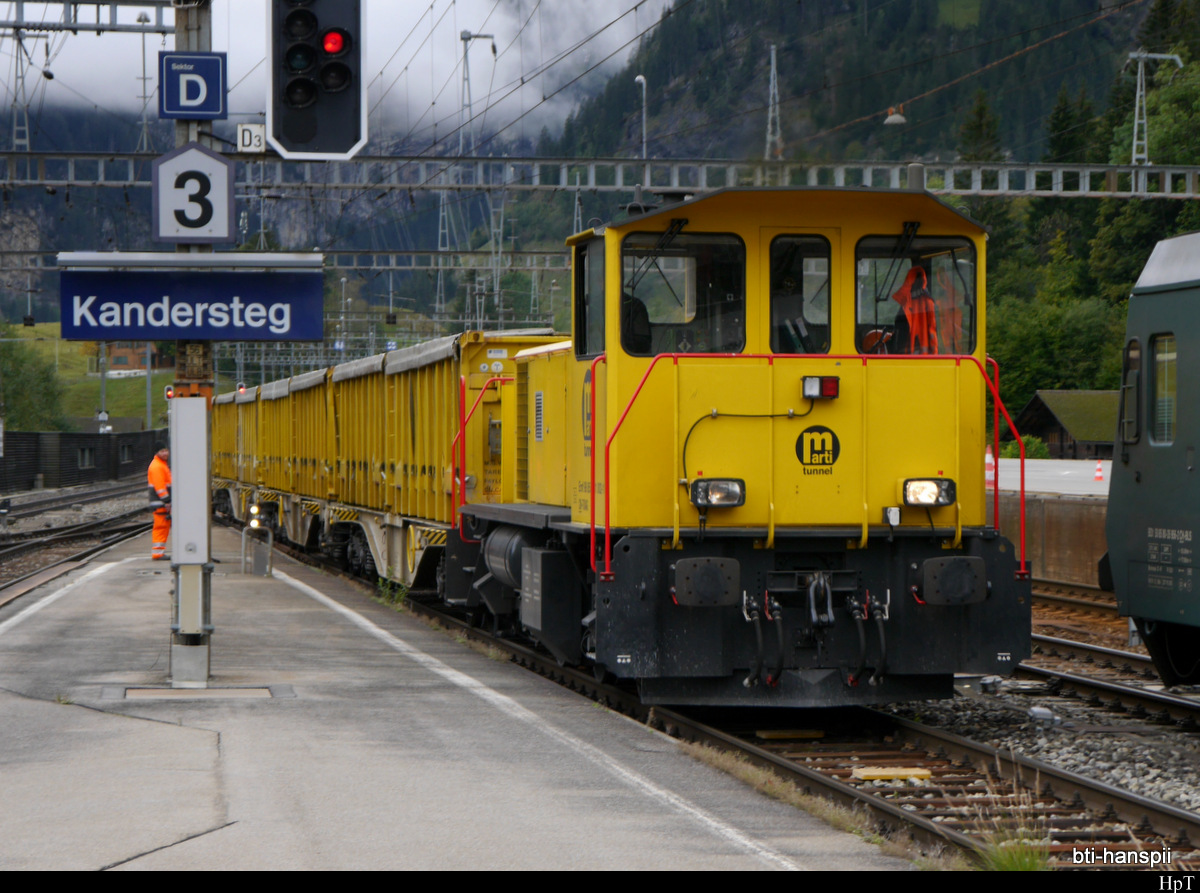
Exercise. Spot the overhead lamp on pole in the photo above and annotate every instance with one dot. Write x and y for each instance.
(641, 79)
(342, 326)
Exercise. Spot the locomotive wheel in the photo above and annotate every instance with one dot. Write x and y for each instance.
(1175, 650)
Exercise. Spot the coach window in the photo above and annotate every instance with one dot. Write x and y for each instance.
(1162, 389)
(589, 298)
(799, 294)
(915, 294)
(682, 293)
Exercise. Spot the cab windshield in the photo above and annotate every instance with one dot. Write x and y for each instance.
(682, 293)
(915, 295)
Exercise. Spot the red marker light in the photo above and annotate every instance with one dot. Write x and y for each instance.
(334, 42)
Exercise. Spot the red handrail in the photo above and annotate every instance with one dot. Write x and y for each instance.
(996, 449)
(461, 440)
(607, 574)
(603, 358)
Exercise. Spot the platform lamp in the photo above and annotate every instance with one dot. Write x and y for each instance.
(641, 79)
(29, 300)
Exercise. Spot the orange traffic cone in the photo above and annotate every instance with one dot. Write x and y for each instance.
(989, 468)
(1099, 476)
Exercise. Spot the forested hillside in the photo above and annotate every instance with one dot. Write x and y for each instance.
(841, 65)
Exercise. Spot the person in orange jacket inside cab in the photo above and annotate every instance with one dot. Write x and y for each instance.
(159, 477)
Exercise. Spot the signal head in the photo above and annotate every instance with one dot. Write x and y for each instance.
(317, 106)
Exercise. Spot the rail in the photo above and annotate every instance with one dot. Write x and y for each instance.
(1022, 572)
(460, 440)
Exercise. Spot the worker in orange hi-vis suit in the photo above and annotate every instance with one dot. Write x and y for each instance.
(159, 477)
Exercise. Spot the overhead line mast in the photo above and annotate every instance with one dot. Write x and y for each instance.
(774, 149)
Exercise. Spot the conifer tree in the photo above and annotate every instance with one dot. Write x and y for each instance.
(1157, 32)
(979, 136)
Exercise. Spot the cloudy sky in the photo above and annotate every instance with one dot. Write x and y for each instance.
(414, 59)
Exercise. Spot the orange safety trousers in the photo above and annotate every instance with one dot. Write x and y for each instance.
(159, 477)
(162, 529)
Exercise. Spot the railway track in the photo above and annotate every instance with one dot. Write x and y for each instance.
(33, 542)
(942, 789)
(1118, 681)
(936, 788)
(63, 559)
(939, 789)
(1089, 599)
(32, 507)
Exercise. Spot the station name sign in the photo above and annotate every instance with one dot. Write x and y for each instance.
(226, 297)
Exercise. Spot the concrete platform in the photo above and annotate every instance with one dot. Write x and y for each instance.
(348, 736)
(1065, 477)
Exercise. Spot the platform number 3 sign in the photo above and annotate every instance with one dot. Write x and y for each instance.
(193, 196)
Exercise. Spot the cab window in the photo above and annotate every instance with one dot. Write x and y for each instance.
(799, 294)
(915, 295)
(589, 298)
(682, 293)
(1162, 393)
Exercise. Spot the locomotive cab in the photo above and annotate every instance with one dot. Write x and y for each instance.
(755, 474)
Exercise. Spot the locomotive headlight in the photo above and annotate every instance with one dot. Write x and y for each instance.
(929, 491)
(718, 493)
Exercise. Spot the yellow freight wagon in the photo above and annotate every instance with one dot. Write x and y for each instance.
(365, 459)
(310, 435)
(224, 438)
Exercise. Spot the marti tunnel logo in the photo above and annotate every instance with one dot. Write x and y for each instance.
(817, 448)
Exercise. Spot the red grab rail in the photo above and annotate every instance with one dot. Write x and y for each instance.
(993, 386)
(460, 440)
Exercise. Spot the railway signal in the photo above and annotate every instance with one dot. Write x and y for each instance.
(317, 107)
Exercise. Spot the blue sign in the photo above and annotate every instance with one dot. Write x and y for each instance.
(182, 305)
(192, 86)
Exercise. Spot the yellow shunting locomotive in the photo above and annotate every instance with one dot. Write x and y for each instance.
(752, 476)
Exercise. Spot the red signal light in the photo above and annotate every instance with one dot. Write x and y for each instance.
(334, 42)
